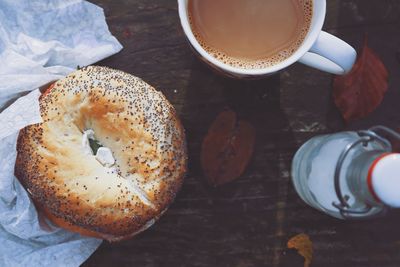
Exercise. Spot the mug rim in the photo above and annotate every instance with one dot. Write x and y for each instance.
(316, 25)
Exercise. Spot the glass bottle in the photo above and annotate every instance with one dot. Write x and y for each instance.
(349, 175)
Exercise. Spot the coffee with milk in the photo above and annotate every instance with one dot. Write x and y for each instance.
(250, 34)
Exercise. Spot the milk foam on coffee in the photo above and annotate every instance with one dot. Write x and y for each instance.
(250, 34)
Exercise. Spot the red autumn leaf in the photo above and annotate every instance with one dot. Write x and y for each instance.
(361, 91)
(227, 148)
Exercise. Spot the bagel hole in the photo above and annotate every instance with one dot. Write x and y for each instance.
(94, 145)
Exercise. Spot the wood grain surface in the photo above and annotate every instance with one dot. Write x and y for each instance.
(248, 222)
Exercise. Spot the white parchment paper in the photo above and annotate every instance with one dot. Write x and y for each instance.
(40, 41)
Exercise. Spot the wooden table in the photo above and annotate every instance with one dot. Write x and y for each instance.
(248, 222)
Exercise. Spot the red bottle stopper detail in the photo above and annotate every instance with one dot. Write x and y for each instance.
(369, 178)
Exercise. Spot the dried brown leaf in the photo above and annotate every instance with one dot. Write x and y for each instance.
(302, 243)
(361, 91)
(227, 148)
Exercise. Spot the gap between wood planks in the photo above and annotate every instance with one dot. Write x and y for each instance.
(280, 231)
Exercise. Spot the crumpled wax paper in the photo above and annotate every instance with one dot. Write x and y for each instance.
(40, 41)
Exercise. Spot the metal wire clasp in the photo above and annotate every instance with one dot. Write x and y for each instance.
(365, 137)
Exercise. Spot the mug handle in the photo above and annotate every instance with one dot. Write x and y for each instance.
(330, 54)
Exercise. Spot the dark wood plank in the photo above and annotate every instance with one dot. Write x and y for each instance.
(248, 222)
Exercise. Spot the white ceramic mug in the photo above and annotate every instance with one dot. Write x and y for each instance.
(319, 49)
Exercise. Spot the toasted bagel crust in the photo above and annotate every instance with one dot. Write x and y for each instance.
(133, 120)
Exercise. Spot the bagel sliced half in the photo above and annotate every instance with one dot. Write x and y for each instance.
(109, 156)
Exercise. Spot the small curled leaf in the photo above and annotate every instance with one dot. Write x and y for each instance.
(302, 243)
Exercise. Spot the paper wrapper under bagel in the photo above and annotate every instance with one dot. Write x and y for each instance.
(40, 41)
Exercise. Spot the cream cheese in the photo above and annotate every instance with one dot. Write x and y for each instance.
(85, 141)
(105, 157)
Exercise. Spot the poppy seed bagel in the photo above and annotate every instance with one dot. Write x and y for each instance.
(132, 178)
